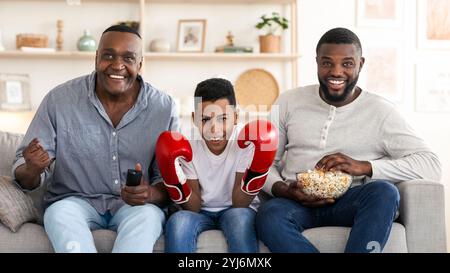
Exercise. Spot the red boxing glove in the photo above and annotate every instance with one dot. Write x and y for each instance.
(264, 136)
(169, 147)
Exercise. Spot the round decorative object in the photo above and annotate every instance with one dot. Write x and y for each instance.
(256, 90)
(159, 45)
(87, 42)
(324, 184)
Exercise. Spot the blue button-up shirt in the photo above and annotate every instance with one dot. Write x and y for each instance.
(91, 155)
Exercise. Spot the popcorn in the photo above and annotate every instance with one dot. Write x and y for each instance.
(324, 184)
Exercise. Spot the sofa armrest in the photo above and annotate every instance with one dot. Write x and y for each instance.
(422, 212)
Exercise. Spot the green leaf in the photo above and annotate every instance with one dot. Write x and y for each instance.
(272, 23)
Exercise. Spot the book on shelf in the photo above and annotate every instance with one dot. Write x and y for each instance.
(234, 49)
(37, 49)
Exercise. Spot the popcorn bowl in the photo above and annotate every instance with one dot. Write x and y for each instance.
(324, 184)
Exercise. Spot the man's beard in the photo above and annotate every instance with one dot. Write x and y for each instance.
(330, 97)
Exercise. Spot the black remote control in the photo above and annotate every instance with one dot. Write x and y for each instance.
(133, 178)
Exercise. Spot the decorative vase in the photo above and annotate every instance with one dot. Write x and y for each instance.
(159, 45)
(270, 44)
(87, 42)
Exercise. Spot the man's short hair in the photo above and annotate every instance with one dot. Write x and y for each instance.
(214, 89)
(122, 28)
(340, 36)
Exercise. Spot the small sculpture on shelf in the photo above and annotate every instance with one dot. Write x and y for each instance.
(59, 37)
(230, 38)
(229, 47)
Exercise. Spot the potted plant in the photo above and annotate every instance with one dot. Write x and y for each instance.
(273, 25)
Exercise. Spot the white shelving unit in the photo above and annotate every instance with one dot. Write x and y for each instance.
(290, 57)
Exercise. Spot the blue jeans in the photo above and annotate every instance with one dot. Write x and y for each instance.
(69, 222)
(237, 224)
(369, 209)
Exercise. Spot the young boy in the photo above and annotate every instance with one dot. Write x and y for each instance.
(214, 195)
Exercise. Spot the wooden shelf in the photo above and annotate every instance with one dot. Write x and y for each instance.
(178, 1)
(158, 56)
(52, 55)
(222, 1)
(82, 1)
(220, 56)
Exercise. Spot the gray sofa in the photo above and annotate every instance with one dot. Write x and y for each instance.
(419, 228)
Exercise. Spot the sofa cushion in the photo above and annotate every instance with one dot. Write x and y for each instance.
(211, 241)
(9, 143)
(30, 238)
(334, 239)
(16, 208)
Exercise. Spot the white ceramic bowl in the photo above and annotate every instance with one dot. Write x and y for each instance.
(159, 45)
(324, 184)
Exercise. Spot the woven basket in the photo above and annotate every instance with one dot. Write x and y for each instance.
(31, 40)
(256, 89)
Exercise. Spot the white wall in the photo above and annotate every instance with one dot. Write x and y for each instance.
(179, 79)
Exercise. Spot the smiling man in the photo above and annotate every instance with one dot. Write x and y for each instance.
(338, 126)
(93, 129)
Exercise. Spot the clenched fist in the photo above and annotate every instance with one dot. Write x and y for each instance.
(36, 158)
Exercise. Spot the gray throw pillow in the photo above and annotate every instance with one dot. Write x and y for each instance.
(16, 208)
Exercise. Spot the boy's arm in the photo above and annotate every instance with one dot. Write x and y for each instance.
(239, 198)
(195, 202)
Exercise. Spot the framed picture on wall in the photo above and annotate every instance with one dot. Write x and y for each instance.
(379, 13)
(383, 70)
(14, 92)
(191, 35)
(433, 24)
(432, 88)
